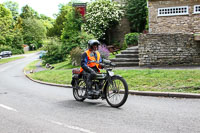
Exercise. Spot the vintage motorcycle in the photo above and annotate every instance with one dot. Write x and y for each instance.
(106, 85)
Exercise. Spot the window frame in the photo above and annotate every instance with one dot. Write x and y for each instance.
(196, 12)
(172, 9)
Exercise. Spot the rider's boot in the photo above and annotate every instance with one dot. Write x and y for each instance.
(89, 89)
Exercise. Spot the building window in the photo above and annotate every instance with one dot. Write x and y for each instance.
(172, 11)
(197, 9)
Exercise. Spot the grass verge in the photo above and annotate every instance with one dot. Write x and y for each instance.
(2, 61)
(31, 66)
(143, 80)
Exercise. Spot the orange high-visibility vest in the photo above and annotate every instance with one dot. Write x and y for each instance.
(92, 61)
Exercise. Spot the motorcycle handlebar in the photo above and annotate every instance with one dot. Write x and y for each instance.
(107, 63)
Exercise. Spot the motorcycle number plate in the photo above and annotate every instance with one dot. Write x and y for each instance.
(111, 73)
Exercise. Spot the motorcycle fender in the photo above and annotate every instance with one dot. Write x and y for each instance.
(117, 76)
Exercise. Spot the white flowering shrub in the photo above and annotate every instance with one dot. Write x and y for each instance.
(101, 15)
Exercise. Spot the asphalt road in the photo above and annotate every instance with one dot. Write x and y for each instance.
(29, 107)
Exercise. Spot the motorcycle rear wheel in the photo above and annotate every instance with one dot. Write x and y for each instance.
(117, 92)
(79, 91)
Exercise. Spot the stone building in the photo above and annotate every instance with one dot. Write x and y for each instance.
(174, 27)
(174, 16)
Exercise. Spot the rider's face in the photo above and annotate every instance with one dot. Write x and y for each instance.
(94, 47)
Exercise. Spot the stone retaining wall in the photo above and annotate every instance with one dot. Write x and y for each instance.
(168, 49)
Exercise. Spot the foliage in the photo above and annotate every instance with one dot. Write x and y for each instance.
(54, 52)
(76, 56)
(80, 40)
(136, 11)
(101, 15)
(5, 24)
(72, 24)
(10, 38)
(131, 39)
(33, 32)
(28, 12)
(103, 51)
(47, 22)
(5, 48)
(13, 7)
(58, 25)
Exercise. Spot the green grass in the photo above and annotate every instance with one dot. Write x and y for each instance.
(142, 80)
(30, 52)
(31, 66)
(162, 80)
(6, 60)
(64, 65)
(53, 76)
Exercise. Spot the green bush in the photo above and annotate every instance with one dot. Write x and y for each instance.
(76, 56)
(9, 48)
(5, 48)
(54, 52)
(131, 39)
(80, 40)
(17, 51)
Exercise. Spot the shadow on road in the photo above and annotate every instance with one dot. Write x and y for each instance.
(86, 104)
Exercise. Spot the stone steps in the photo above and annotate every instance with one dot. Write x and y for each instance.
(126, 64)
(127, 58)
(129, 52)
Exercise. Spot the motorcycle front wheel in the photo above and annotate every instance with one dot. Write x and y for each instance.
(79, 91)
(117, 92)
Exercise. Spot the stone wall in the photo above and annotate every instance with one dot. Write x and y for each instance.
(168, 49)
(173, 24)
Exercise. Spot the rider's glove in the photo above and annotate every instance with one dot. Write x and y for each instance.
(91, 71)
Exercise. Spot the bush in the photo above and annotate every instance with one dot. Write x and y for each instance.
(54, 52)
(103, 51)
(101, 15)
(17, 51)
(137, 14)
(131, 39)
(5, 48)
(81, 40)
(76, 56)
(9, 48)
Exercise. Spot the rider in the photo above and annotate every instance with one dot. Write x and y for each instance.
(90, 60)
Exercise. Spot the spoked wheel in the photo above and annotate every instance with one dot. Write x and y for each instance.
(79, 91)
(117, 92)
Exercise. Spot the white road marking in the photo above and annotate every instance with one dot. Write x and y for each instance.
(72, 127)
(8, 108)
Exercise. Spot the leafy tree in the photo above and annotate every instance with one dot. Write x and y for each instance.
(14, 7)
(136, 11)
(33, 31)
(47, 21)
(10, 39)
(28, 12)
(5, 25)
(72, 24)
(101, 15)
(56, 30)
